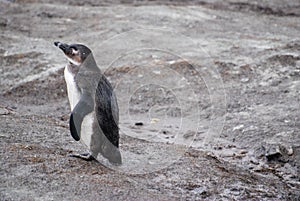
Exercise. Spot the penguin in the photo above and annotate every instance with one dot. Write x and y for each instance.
(94, 110)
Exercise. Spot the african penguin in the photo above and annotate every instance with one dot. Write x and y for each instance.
(94, 109)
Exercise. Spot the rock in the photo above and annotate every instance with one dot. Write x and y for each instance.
(290, 150)
(154, 120)
(139, 124)
(243, 152)
(273, 152)
(245, 79)
(189, 134)
(278, 152)
(239, 127)
(200, 190)
(258, 168)
(254, 161)
(4, 111)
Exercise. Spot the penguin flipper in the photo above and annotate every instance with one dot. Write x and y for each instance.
(107, 111)
(73, 129)
(83, 107)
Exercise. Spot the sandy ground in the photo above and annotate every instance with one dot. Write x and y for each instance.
(214, 84)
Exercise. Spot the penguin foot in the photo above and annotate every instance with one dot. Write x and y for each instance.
(86, 157)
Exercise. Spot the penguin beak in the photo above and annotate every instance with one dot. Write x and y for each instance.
(64, 47)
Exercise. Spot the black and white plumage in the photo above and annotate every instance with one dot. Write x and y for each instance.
(95, 115)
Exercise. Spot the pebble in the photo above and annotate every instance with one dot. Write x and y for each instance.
(139, 124)
(258, 168)
(290, 150)
(154, 120)
(238, 127)
(200, 190)
(254, 161)
(3, 111)
(243, 151)
(273, 152)
(245, 79)
(189, 134)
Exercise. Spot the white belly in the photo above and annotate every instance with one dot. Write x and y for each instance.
(74, 97)
(87, 129)
(73, 92)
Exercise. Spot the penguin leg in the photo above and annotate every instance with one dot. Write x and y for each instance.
(86, 157)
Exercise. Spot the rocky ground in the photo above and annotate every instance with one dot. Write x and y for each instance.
(208, 94)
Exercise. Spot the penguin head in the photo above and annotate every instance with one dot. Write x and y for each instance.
(75, 53)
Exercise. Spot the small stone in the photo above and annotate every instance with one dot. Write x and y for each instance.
(273, 152)
(200, 190)
(95, 172)
(243, 151)
(290, 151)
(239, 127)
(258, 168)
(28, 147)
(139, 124)
(188, 134)
(254, 161)
(245, 79)
(3, 111)
(154, 120)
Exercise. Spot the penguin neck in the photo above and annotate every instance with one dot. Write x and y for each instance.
(90, 64)
(73, 69)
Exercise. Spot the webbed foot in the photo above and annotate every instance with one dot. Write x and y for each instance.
(86, 157)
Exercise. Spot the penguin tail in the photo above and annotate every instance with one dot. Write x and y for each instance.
(112, 153)
(115, 157)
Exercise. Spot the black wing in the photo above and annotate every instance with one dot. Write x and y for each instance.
(83, 107)
(107, 111)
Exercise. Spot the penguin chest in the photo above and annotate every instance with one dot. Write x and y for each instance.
(72, 89)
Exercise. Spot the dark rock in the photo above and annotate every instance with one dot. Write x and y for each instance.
(139, 124)
(273, 152)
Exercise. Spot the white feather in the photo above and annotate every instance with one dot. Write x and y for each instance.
(73, 92)
(73, 61)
